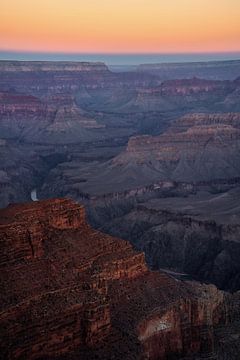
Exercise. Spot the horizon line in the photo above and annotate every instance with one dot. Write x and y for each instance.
(120, 58)
(119, 53)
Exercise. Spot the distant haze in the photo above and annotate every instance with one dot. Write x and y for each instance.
(120, 59)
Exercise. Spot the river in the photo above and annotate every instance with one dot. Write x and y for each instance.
(34, 195)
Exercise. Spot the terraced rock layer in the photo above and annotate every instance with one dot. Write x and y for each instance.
(72, 292)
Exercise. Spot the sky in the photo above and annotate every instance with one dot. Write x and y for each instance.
(120, 26)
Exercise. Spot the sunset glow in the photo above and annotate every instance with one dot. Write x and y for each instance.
(120, 26)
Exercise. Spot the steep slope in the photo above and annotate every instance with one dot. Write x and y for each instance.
(69, 291)
(188, 228)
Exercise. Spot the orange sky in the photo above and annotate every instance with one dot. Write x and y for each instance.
(120, 25)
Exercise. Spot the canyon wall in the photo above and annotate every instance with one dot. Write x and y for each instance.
(69, 291)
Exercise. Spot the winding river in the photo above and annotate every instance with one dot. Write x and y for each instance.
(34, 195)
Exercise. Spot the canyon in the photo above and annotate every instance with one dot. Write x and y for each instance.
(132, 250)
(196, 147)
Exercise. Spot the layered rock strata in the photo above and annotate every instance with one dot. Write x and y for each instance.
(195, 148)
(69, 291)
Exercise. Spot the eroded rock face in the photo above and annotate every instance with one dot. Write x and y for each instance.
(196, 147)
(53, 119)
(54, 278)
(189, 228)
(186, 94)
(69, 291)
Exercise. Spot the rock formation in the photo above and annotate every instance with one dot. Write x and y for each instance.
(196, 147)
(69, 291)
(212, 70)
(186, 95)
(189, 228)
(85, 114)
(34, 120)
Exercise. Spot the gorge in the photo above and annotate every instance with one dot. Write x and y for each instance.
(111, 183)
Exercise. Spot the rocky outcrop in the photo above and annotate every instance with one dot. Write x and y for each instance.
(55, 270)
(69, 291)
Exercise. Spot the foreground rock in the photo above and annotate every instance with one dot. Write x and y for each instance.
(71, 292)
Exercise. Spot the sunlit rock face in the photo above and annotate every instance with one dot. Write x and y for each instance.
(69, 290)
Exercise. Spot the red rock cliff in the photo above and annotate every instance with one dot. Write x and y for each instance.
(69, 290)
